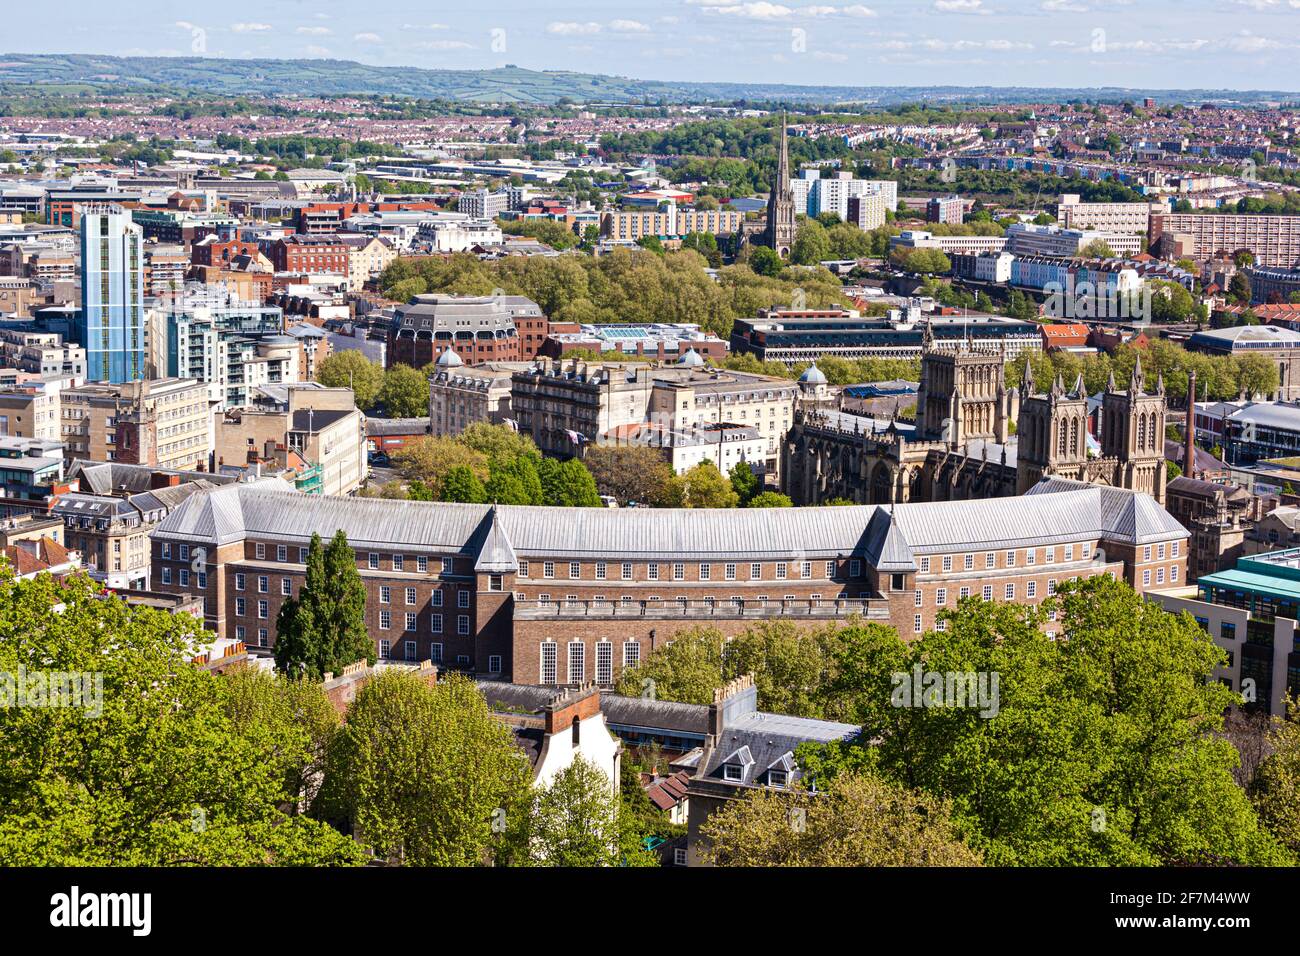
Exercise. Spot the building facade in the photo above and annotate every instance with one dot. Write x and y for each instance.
(111, 324)
(163, 422)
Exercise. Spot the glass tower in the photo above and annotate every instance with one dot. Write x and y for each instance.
(111, 324)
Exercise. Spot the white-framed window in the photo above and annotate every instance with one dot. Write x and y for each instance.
(435, 623)
(286, 587)
(166, 551)
(435, 651)
(963, 593)
(627, 570)
(1031, 556)
(496, 582)
(410, 596)
(777, 779)
(410, 621)
(577, 662)
(916, 624)
(733, 772)
(987, 593)
(240, 581)
(263, 584)
(385, 620)
(941, 597)
(1173, 573)
(408, 648)
(1160, 575)
(185, 577)
(385, 594)
(1031, 589)
(782, 569)
(1146, 553)
(385, 649)
(1011, 559)
(263, 637)
(302, 555)
(855, 568)
(1173, 549)
(263, 610)
(1160, 552)
(166, 575)
(462, 598)
(422, 564)
(372, 561)
(925, 564)
(755, 572)
(1010, 592)
(652, 571)
(239, 632)
(1068, 553)
(990, 559)
(679, 571)
(969, 562)
(947, 562)
(494, 663)
(631, 653)
(805, 569)
(575, 569)
(600, 570)
(1051, 587)
(462, 624)
(241, 607)
(679, 856)
(830, 570)
(604, 662)
(729, 572)
(435, 598)
(917, 597)
(1146, 577)
(448, 565)
(282, 552)
(399, 562)
(259, 551)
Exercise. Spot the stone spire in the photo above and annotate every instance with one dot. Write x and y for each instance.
(1189, 437)
(1138, 380)
(1079, 390)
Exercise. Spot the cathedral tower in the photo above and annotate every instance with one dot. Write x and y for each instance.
(780, 231)
(1052, 434)
(1133, 433)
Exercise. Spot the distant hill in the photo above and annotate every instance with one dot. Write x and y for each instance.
(507, 85)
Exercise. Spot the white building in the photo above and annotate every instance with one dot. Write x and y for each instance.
(1026, 239)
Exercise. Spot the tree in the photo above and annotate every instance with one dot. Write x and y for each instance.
(770, 499)
(405, 392)
(499, 442)
(743, 481)
(1257, 375)
(653, 243)
(687, 671)
(1275, 789)
(859, 820)
(1101, 747)
(149, 765)
(766, 262)
(568, 484)
(514, 482)
(576, 819)
(1239, 287)
(351, 369)
(424, 774)
(812, 245)
(630, 473)
(703, 487)
(461, 484)
(1097, 249)
(323, 628)
(430, 458)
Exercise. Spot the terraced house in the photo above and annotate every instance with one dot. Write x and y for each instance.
(564, 595)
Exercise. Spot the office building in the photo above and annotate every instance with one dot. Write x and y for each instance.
(1273, 240)
(1026, 239)
(950, 210)
(111, 324)
(160, 422)
(1122, 217)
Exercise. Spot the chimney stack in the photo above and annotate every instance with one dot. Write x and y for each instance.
(1189, 436)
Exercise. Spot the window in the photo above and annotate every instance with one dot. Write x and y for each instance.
(897, 582)
(679, 572)
(263, 610)
(755, 572)
(496, 582)
(916, 624)
(373, 561)
(166, 575)
(241, 607)
(577, 662)
(990, 559)
(916, 597)
(652, 571)
(435, 623)
(286, 586)
(729, 572)
(575, 569)
(408, 649)
(410, 595)
(604, 662)
(947, 562)
(1160, 575)
(705, 571)
(987, 593)
(776, 778)
(239, 582)
(494, 663)
(263, 584)
(1011, 559)
(259, 551)
(925, 563)
(600, 570)
(166, 550)
(1051, 587)
(1173, 573)
(302, 555)
(627, 570)
(1228, 631)
(185, 577)
(631, 653)
(1010, 593)
(262, 637)
(281, 552)
(1031, 556)
(1031, 589)
(781, 569)
(385, 595)
(435, 652)
(1160, 552)
(855, 568)
(733, 772)
(239, 632)
(1068, 553)
(970, 562)
(805, 570)
(462, 598)
(1146, 577)
(830, 570)
(1146, 553)
(1173, 549)
(963, 593)
(398, 562)
(462, 624)
(448, 565)
(385, 649)
(679, 856)
(410, 621)
(385, 620)
(941, 597)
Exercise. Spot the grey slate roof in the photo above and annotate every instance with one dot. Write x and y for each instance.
(495, 556)
(1056, 510)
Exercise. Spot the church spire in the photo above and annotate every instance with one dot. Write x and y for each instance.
(1138, 380)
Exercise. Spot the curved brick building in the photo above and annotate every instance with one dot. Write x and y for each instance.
(562, 595)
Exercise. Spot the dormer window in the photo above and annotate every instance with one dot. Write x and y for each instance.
(777, 778)
(733, 772)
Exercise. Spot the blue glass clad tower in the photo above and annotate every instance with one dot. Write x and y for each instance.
(111, 324)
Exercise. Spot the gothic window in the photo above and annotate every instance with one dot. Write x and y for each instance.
(1074, 436)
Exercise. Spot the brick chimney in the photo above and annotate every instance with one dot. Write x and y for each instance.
(734, 699)
(159, 479)
(580, 702)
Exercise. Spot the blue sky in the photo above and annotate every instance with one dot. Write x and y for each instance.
(1240, 44)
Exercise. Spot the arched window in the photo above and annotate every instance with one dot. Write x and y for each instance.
(577, 732)
(1074, 436)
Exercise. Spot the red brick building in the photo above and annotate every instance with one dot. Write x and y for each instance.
(308, 254)
(564, 595)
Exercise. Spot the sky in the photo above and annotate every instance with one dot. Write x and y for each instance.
(1232, 44)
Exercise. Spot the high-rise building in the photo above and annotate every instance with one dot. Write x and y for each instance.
(111, 324)
(780, 231)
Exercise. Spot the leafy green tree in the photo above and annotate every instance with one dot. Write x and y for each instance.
(703, 487)
(576, 821)
(743, 481)
(322, 629)
(461, 484)
(568, 484)
(858, 820)
(630, 473)
(1275, 790)
(153, 765)
(431, 458)
(514, 482)
(1239, 288)
(770, 499)
(687, 671)
(498, 442)
(653, 243)
(811, 245)
(1101, 747)
(424, 774)
(351, 369)
(766, 262)
(1097, 249)
(405, 392)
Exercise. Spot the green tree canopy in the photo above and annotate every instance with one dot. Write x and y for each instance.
(405, 392)
(351, 369)
(703, 487)
(322, 629)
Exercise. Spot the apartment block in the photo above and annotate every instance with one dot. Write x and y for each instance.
(162, 422)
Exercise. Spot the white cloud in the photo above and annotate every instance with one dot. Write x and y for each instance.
(858, 10)
(628, 26)
(444, 45)
(367, 38)
(832, 57)
(314, 31)
(961, 6)
(572, 29)
(760, 10)
(250, 27)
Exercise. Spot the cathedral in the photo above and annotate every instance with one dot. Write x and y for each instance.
(974, 437)
(778, 230)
